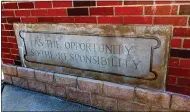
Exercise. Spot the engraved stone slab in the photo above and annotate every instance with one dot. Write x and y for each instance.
(130, 53)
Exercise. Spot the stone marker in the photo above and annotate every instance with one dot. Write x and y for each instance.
(126, 53)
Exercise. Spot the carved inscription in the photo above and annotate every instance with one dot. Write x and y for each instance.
(128, 56)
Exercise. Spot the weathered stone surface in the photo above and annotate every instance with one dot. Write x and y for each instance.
(26, 73)
(180, 102)
(97, 100)
(110, 104)
(123, 55)
(65, 80)
(60, 91)
(50, 89)
(90, 85)
(20, 82)
(9, 69)
(78, 95)
(153, 98)
(118, 91)
(7, 79)
(37, 86)
(43, 76)
(158, 109)
(131, 106)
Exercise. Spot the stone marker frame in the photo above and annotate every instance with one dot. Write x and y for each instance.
(155, 79)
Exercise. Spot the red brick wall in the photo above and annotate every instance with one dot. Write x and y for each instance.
(173, 13)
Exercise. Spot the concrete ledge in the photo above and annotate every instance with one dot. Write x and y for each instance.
(101, 94)
(9, 69)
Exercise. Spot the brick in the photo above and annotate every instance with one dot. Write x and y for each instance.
(186, 43)
(176, 43)
(184, 82)
(138, 2)
(176, 21)
(155, 98)
(12, 40)
(110, 20)
(5, 33)
(177, 89)
(26, 5)
(184, 10)
(12, 33)
(13, 20)
(8, 61)
(137, 10)
(110, 104)
(26, 73)
(46, 19)
(118, 91)
(29, 20)
(180, 53)
(22, 13)
(5, 50)
(138, 20)
(179, 72)
(181, 32)
(3, 20)
(10, 5)
(43, 4)
(62, 3)
(101, 11)
(41, 12)
(6, 45)
(163, 2)
(90, 85)
(9, 69)
(108, 3)
(15, 46)
(43, 76)
(184, 63)
(77, 11)
(7, 79)
(14, 51)
(8, 26)
(161, 10)
(37, 86)
(64, 19)
(131, 106)
(60, 91)
(4, 39)
(50, 89)
(180, 102)
(171, 80)
(8, 56)
(174, 62)
(7, 13)
(20, 82)
(57, 12)
(85, 20)
(83, 3)
(65, 80)
(189, 21)
(73, 94)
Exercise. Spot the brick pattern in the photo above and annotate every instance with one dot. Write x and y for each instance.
(175, 13)
(101, 94)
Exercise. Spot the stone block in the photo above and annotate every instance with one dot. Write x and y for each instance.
(153, 98)
(9, 69)
(109, 104)
(97, 100)
(180, 102)
(118, 91)
(65, 80)
(26, 73)
(158, 109)
(20, 82)
(60, 91)
(78, 96)
(7, 79)
(43, 76)
(50, 89)
(131, 106)
(90, 85)
(37, 86)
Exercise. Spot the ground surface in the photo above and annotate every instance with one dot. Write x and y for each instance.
(17, 99)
